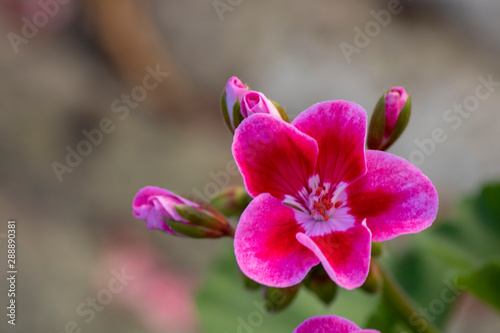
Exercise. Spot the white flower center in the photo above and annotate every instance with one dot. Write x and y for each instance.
(322, 209)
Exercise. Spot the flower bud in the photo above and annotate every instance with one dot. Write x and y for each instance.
(278, 299)
(321, 284)
(373, 282)
(230, 102)
(377, 249)
(389, 119)
(254, 102)
(231, 201)
(248, 283)
(173, 214)
(238, 103)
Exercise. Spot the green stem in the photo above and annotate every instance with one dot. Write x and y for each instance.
(401, 304)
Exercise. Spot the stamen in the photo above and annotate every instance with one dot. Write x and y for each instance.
(322, 203)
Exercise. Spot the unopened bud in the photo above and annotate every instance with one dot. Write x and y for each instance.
(278, 299)
(230, 103)
(389, 119)
(249, 283)
(231, 201)
(377, 249)
(373, 283)
(321, 284)
(192, 231)
(239, 103)
(166, 211)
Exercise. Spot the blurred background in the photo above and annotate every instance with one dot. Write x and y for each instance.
(65, 66)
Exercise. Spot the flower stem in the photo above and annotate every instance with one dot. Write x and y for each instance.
(401, 304)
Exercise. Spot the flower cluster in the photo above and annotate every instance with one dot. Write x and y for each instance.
(318, 197)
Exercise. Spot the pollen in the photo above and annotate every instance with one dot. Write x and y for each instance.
(322, 203)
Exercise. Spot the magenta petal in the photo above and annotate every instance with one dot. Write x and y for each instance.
(339, 127)
(394, 196)
(345, 255)
(330, 324)
(273, 156)
(265, 245)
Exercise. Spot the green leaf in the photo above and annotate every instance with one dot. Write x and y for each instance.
(488, 207)
(484, 283)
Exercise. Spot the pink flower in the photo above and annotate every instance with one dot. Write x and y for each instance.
(166, 211)
(320, 197)
(233, 92)
(394, 102)
(330, 324)
(254, 102)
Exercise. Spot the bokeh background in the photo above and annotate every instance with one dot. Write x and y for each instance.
(73, 233)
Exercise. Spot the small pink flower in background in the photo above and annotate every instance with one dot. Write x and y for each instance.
(254, 102)
(320, 197)
(153, 204)
(394, 102)
(330, 324)
(161, 298)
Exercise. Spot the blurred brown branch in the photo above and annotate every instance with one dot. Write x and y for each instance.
(127, 35)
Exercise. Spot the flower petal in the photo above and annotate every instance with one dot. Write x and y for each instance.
(265, 245)
(273, 156)
(330, 324)
(394, 196)
(339, 127)
(345, 255)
